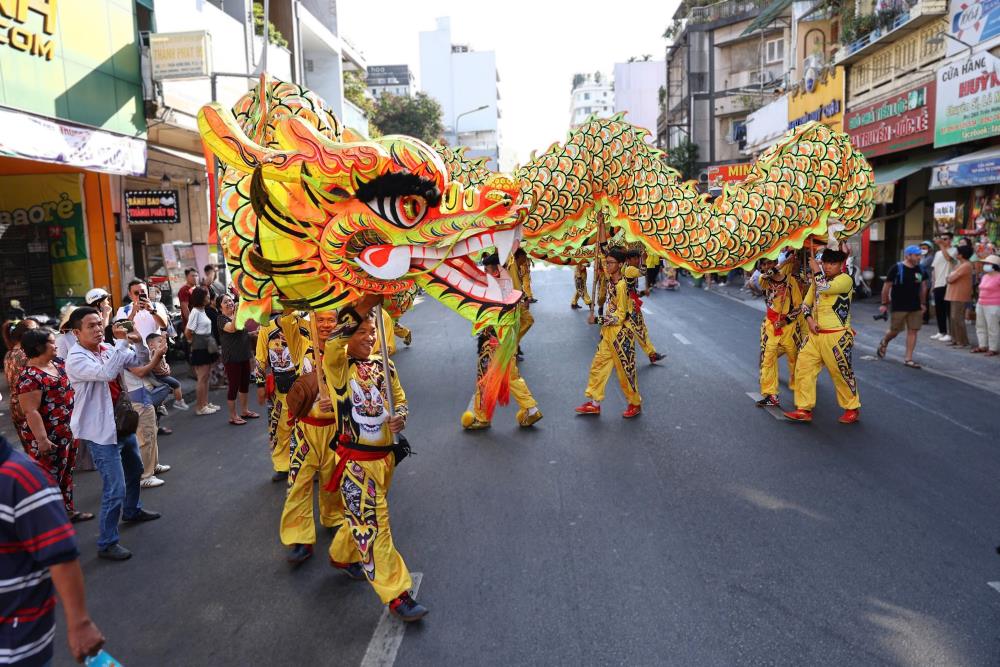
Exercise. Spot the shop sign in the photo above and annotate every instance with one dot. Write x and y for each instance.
(964, 174)
(899, 122)
(152, 207)
(968, 100)
(945, 215)
(179, 55)
(823, 103)
(54, 202)
(727, 173)
(973, 22)
(17, 32)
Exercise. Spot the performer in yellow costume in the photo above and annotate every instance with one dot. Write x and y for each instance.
(524, 312)
(274, 375)
(312, 454)
(827, 309)
(475, 418)
(601, 278)
(637, 321)
(366, 458)
(523, 263)
(615, 349)
(779, 332)
(580, 283)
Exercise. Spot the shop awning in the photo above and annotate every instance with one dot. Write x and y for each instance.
(978, 168)
(897, 171)
(768, 14)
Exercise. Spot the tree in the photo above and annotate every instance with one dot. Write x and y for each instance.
(577, 80)
(683, 157)
(418, 116)
(274, 35)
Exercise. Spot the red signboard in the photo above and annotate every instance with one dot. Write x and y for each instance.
(895, 124)
(727, 173)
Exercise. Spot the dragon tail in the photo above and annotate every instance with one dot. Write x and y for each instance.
(494, 386)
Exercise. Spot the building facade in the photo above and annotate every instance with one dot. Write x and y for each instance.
(592, 95)
(465, 83)
(637, 87)
(395, 80)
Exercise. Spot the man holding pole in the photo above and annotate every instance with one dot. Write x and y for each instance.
(364, 393)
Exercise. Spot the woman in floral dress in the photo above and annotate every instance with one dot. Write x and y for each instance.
(47, 403)
(13, 362)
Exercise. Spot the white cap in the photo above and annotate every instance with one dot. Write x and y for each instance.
(95, 295)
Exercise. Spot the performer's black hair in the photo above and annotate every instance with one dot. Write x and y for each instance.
(491, 259)
(831, 255)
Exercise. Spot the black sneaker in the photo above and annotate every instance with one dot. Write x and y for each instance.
(300, 554)
(352, 570)
(114, 552)
(407, 609)
(143, 515)
(279, 476)
(769, 401)
(656, 356)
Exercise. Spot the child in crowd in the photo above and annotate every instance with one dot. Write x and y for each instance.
(162, 371)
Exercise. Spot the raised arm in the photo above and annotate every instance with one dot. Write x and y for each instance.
(82, 367)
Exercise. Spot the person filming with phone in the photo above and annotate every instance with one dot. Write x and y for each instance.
(141, 310)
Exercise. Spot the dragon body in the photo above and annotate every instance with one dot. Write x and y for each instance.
(811, 182)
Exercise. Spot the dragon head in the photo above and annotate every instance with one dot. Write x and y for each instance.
(330, 221)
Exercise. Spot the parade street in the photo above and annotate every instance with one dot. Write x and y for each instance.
(704, 532)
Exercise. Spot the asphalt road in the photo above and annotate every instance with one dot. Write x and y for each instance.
(705, 532)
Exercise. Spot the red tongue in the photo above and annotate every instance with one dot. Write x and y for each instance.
(378, 256)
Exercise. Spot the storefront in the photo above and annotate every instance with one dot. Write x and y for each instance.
(71, 124)
(966, 195)
(820, 97)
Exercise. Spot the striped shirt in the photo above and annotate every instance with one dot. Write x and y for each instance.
(34, 534)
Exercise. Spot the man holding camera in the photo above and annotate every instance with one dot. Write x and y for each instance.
(141, 311)
(904, 293)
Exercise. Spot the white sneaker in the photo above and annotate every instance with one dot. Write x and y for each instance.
(151, 482)
(945, 338)
(213, 406)
(937, 336)
(205, 411)
(161, 410)
(161, 468)
(180, 404)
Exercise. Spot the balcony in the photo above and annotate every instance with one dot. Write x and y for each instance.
(874, 31)
(726, 9)
(892, 66)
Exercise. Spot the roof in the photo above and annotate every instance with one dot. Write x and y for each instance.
(768, 14)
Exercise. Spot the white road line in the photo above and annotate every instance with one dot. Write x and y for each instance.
(772, 410)
(995, 585)
(682, 339)
(384, 644)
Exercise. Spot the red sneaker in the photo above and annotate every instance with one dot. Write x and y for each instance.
(632, 411)
(850, 416)
(804, 416)
(589, 408)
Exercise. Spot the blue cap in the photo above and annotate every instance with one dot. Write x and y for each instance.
(912, 250)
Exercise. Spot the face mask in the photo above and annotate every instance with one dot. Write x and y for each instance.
(953, 252)
(923, 251)
(989, 268)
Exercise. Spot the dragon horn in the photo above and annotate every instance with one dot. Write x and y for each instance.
(230, 144)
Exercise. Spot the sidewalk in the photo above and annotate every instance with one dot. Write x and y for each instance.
(938, 358)
(178, 369)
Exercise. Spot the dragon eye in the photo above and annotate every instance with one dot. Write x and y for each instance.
(401, 210)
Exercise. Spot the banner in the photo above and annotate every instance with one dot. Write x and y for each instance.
(727, 173)
(984, 171)
(968, 100)
(897, 123)
(53, 202)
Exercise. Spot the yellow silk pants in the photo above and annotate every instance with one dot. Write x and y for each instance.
(527, 319)
(400, 331)
(641, 333)
(772, 346)
(362, 523)
(615, 350)
(312, 455)
(518, 389)
(581, 292)
(279, 432)
(833, 351)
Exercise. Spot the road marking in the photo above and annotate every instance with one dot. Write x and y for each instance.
(384, 644)
(995, 585)
(682, 339)
(771, 410)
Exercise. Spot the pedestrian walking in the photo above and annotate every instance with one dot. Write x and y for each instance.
(942, 267)
(13, 363)
(40, 552)
(47, 400)
(93, 368)
(904, 293)
(204, 349)
(988, 309)
(959, 295)
(236, 356)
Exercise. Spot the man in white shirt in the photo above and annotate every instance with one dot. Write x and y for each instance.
(141, 311)
(941, 267)
(91, 366)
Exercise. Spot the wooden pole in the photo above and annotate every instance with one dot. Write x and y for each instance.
(389, 402)
(598, 265)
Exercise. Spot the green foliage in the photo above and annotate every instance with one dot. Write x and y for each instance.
(274, 35)
(355, 90)
(578, 79)
(418, 116)
(683, 158)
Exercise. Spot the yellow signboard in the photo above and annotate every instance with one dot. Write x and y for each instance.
(820, 96)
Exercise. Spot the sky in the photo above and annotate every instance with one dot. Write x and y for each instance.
(539, 45)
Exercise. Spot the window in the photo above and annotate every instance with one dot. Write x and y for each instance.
(774, 50)
(586, 96)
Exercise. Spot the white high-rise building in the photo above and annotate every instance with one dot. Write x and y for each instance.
(593, 94)
(637, 91)
(395, 80)
(465, 83)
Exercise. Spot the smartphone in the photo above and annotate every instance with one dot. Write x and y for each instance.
(127, 325)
